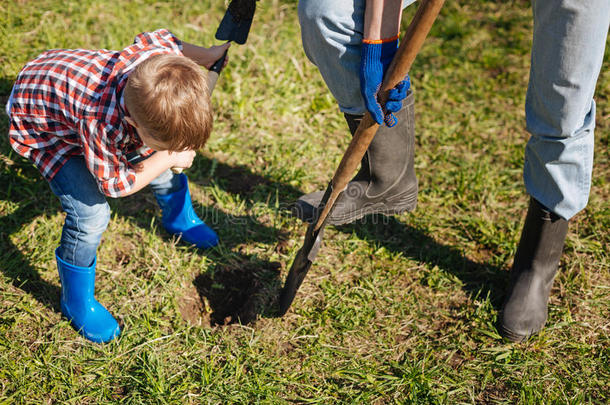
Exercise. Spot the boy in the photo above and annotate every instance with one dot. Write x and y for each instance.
(107, 123)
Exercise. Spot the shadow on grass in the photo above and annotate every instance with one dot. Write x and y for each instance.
(21, 184)
(479, 279)
(18, 268)
(246, 287)
(235, 292)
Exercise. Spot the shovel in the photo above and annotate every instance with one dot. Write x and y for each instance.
(236, 23)
(398, 69)
(235, 26)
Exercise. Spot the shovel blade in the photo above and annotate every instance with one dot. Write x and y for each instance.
(234, 29)
(296, 275)
(301, 265)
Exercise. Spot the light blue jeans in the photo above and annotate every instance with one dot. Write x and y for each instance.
(567, 52)
(87, 212)
(332, 32)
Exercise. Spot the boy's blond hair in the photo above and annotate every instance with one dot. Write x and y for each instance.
(168, 95)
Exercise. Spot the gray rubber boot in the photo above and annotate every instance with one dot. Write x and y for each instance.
(386, 183)
(526, 307)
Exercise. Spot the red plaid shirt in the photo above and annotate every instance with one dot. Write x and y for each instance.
(69, 102)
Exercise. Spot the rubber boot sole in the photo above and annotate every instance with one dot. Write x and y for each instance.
(406, 204)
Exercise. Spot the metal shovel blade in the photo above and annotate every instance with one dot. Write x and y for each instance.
(301, 265)
(236, 23)
(305, 256)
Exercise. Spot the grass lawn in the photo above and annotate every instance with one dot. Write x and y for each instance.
(395, 309)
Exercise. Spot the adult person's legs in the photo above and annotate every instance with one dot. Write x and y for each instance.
(332, 34)
(567, 54)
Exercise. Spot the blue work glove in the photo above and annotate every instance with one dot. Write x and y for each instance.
(376, 58)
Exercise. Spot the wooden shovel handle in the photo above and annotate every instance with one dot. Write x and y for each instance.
(399, 68)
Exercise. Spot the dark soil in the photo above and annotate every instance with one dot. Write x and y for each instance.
(235, 293)
(238, 181)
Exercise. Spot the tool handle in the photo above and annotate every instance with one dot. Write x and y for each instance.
(398, 69)
(215, 71)
(213, 74)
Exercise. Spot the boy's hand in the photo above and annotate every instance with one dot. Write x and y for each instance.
(182, 160)
(205, 56)
(215, 52)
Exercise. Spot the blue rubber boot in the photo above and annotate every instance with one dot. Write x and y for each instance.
(78, 304)
(179, 217)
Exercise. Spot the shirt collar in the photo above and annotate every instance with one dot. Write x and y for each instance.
(131, 134)
(120, 96)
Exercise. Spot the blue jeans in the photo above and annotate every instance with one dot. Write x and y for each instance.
(87, 212)
(567, 52)
(332, 31)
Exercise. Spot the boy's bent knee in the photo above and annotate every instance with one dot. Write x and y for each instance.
(92, 220)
